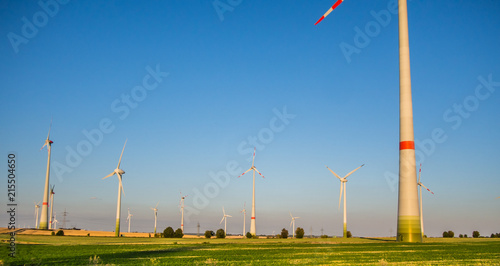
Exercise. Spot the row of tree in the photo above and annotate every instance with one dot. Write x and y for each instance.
(451, 234)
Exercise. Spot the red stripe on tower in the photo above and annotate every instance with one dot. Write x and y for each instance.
(253, 218)
(407, 145)
(45, 203)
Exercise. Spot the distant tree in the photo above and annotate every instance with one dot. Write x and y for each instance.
(349, 235)
(465, 236)
(324, 236)
(220, 233)
(445, 234)
(209, 234)
(299, 232)
(249, 235)
(284, 233)
(60, 233)
(178, 233)
(493, 235)
(475, 234)
(461, 236)
(168, 232)
(451, 234)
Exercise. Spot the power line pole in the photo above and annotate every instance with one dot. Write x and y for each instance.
(65, 213)
(198, 233)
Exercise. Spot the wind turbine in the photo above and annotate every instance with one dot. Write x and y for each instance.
(293, 222)
(244, 211)
(118, 172)
(252, 220)
(44, 218)
(37, 208)
(155, 210)
(181, 204)
(55, 222)
(224, 218)
(408, 212)
(420, 194)
(343, 181)
(129, 219)
(51, 206)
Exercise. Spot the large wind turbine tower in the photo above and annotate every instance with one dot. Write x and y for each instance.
(118, 172)
(44, 218)
(51, 207)
(181, 205)
(252, 219)
(408, 213)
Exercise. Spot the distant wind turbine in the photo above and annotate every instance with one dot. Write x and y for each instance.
(118, 172)
(293, 222)
(129, 219)
(44, 218)
(55, 221)
(420, 195)
(343, 181)
(51, 206)
(155, 211)
(244, 211)
(37, 208)
(252, 219)
(181, 205)
(224, 218)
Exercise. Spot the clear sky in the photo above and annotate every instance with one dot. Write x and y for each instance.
(195, 85)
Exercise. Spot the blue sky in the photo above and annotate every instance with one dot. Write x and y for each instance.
(254, 70)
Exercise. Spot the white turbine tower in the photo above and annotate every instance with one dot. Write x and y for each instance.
(224, 218)
(343, 181)
(420, 195)
(118, 172)
(292, 222)
(44, 218)
(244, 211)
(155, 211)
(37, 208)
(129, 219)
(252, 219)
(408, 214)
(181, 205)
(55, 222)
(51, 206)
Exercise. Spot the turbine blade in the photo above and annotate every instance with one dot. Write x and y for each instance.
(222, 219)
(253, 159)
(229, 215)
(291, 223)
(353, 171)
(296, 217)
(258, 172)
(426, 188)
(121, 185)
(223, 211)
(335, 174)
(157, 204)
(109, 175)
(290, 214)
(119, 161)
(419, 172)
(245, 172)
(329, 11)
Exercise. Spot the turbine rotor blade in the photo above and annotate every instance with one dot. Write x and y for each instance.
(244, 172)
(291, 223)
(353, 171)
(426, 188)
(224, 217)
(157, 204)
(121, 185)
(109, 175)
(119, 161)
(329, 11)
(229, 215)
(419, 172)
(335, 174)
(253, 159)
(258, 172)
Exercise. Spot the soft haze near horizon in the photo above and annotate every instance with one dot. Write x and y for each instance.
(256, 70)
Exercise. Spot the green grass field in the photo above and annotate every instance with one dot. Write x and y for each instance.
(73, 250)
